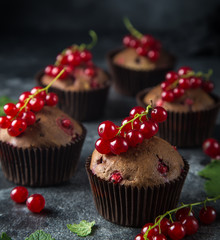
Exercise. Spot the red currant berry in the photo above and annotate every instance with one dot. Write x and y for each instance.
(63, 60)
(103, 146)
(48, 70)
(141, 51)
(153, 232)
(40, 94)
(147, 41)
(118, 145)
(85, 55)
(195, 82)
(139, 110)
(134, 43)
(59, 58)
(207, 86)
(153, 55)
(35, 203)
(66, 123)
(148, 129)
(10, 109)
(207, 215)
(158, 237)
(158, 114)
(19, 194)
(4, 122)
(178, 92)
(107, 130)
(74, 58)
(36, 104)
(29, 117)
(116, 177)
(162, 168)
(164, 225)
(190, 225)
(184, 70)
(51, 99)
(183, 212)
(90, 71)
(126, 40)
(126, 126)
(134, 137)
(171, 77)
(17, 127)
(211, 147)
(139, 237)
(184, 83)
(176, 231)
(20, 105)
(164, 85)
(167, 96)
(24, 96)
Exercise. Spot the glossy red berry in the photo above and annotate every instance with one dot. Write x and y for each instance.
(153, 232)
(4, 122)
(147, 41)
(116, 177)
(167, 96)
(35, 203)
(190, 224)
(126, 40)
(184, 83)
(17, 127)
(74, 58)
(162, 168)
(207, 86)
(158, 237)
(211, 147)
(107, 130)
(127, 125)
(10, 109)
(176, 231)
(19, 194)
(134, 137)
(139, 237)
(85, 55)
(148, 129)
(184, 70)
(40, 94)
(36, 104)
(66, 123)
(29, 117)
(103, 146)
(24, 96)
(135, 110)
(158, 114)
(183, 212)
(164, 225)
(195, 82)
(171, 77)
(178, 92)
(48, 70)
(134, 43)
(118, 145)
(153, 55)
(51, 99)
(207, 215)
(164, 85)
(142, 51)
(89, 71)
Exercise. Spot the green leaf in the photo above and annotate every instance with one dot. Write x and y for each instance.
(212, 173)
(82, 229)
(3, 101)
(40, 235)
(4, 236)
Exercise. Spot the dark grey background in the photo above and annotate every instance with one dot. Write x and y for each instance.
(32, 33)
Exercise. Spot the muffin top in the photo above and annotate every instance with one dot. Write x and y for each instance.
(192, 100)
(78, 80)
(129, 58)
(52, 128)
(150, 163)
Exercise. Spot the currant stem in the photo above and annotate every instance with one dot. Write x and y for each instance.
(138, 115)
(134, 32)
(176, 209)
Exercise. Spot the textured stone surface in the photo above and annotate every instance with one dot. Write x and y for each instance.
(72, 201)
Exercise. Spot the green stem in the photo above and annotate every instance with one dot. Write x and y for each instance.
(134, 32)
(176, 209)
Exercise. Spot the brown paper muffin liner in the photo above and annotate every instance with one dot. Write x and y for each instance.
(133, 206)
(189, 129)
(129, 82)
(80, 105)
(40, 167)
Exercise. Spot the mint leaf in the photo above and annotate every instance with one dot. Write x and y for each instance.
(40, 235)
(4, 236)
(211, 172)
(82, 229)
(3, 101)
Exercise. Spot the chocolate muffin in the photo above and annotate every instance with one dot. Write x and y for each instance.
(47, 152)
(151, 176)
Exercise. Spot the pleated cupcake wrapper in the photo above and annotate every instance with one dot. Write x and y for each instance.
(129, 82)
(133, 206)
(186, 129)
(80, 105)
(40, 167)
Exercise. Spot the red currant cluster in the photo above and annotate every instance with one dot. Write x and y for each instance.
(211, 147)
(145, 45)
(185, 224)
(35, 202)
(72, 57)
(21, 115)
(176, 83)
(139, 125)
